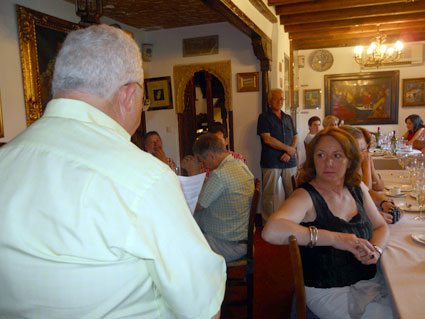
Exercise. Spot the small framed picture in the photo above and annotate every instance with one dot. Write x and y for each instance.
(248, 82)
(312, 99)
(158, 91)
(147, 52)
(414, 92)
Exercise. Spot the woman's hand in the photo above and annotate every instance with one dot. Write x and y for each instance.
(362, 249)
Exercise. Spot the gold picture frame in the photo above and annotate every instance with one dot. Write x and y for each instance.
(40, 37)
(414, 92)
(248, 82)
(158, 91)
(312, 99)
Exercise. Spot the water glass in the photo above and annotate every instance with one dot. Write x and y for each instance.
(420, 193)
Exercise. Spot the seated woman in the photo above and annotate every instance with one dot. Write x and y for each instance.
(330, 121)
(368, 173)
(332, 213)
(415, 128)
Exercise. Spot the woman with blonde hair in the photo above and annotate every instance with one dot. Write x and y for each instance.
(330, 121)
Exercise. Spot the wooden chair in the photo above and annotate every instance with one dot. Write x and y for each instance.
(248, 260)
(297, 269)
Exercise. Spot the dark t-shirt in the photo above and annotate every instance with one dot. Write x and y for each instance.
(281, 129)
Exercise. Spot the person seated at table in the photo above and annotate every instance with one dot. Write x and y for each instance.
(330, 121)
(224, 204)
(370, 177)
(313, 128)
(153, 145)
(333, 216)
(415, 128)
(220, 131)
(368, 173)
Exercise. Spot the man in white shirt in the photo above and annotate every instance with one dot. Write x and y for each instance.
(92, 227)
(313, 127)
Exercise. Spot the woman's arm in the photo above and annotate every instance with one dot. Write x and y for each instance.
(285, 222)
(366, 169)
(377, 182)
(416, 136)
(380, 228)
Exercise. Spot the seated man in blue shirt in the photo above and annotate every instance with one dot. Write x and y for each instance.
(224, 204)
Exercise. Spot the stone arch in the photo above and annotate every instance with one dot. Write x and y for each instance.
(183, 73)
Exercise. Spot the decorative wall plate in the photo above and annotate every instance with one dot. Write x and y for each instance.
(321, 60)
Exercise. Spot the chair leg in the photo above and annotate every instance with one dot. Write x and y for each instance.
(250, 295)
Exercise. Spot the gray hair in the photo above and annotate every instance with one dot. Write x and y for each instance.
(97, 60)
(208, 143)
(269, 96)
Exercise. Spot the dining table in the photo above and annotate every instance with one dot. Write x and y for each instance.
(384, 160)
(403, 260)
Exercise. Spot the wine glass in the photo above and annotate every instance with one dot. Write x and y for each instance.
(402, 161)
(420, 193)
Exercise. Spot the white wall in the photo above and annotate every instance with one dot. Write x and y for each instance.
(234, 46)
(344, 63)
(11, 85)
(167, 52)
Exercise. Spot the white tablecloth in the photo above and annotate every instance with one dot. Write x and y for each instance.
(403, 261)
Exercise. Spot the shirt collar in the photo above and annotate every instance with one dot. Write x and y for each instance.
(226, 159)
(84, 112)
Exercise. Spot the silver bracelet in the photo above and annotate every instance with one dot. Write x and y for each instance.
(314, 233)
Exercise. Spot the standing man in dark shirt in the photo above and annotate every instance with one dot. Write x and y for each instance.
(278, 141)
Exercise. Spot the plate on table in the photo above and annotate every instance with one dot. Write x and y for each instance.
(395, 196)
(409, 208)
(419, 237)
(406, 188)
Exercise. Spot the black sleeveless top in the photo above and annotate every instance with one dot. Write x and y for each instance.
(328, 267)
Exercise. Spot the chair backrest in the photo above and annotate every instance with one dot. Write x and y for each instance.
(251, 223)
(297, 270)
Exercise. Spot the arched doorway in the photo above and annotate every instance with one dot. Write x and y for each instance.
(203, 96)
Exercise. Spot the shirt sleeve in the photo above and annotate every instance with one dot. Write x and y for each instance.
(262, 125)
(294, 131)
(186, 272)
(212, 189)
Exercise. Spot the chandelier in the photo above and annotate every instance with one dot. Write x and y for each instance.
(378, 53)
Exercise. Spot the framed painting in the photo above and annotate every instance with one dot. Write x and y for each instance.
(40, 38)
(312, 99)
(363, 98)
(248, 82)
(414, 92)
(158, 91)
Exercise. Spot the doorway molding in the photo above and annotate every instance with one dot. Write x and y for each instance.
(183, 73)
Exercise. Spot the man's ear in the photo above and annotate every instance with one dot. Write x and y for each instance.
(126, 94)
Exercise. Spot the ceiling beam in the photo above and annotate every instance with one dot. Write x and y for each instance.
(284, 2)
(326, 5)
(361, 30)
(313, 27)
(360, 12)
(317, 44)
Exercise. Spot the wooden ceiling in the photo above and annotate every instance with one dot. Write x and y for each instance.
(159, 14)
(339, 23)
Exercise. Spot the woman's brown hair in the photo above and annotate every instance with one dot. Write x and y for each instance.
(351, 151)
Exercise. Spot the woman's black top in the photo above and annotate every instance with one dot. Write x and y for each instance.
(325, 266)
